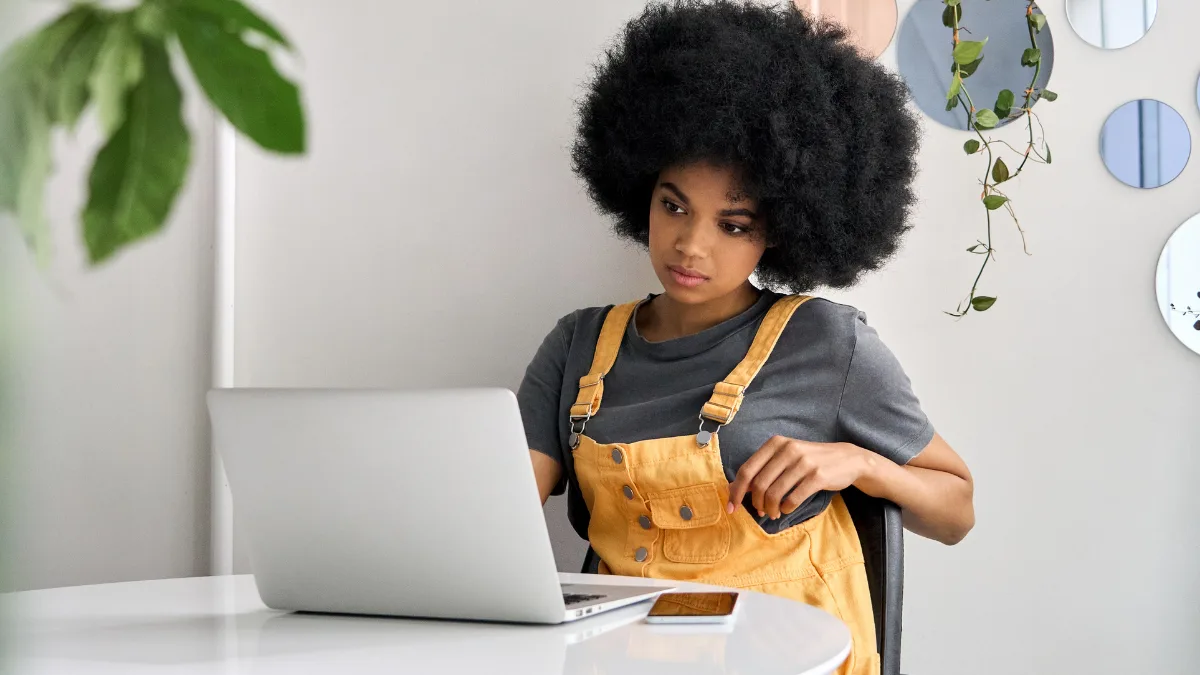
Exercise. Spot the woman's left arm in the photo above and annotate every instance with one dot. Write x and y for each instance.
(935, 489)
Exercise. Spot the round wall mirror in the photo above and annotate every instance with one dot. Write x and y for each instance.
(871, 22)
(1111, 24)
(923, 50)
(1145, 143)
(1178, 283)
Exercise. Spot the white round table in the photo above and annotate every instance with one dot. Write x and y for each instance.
(219, 625)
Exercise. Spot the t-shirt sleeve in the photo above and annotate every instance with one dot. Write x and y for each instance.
(879, 410)
(540, 391)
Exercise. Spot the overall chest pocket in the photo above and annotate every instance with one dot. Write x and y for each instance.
(694, 524)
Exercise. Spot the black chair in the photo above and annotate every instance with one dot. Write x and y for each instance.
(881, 534)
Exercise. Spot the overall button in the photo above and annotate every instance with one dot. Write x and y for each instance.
(627, 491)
(685, 512)
(616, 455)
(640, 555)
(644, 521)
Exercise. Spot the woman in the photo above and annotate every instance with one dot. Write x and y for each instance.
(733, 140)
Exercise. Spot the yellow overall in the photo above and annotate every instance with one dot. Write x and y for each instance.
(657, 507)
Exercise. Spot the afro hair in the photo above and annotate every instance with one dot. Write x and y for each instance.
(822, 137)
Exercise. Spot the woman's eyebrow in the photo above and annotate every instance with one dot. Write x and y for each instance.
(678, 193)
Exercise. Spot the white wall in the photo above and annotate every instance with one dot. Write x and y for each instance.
(1070, 399)
(436, 233)
(108, 481)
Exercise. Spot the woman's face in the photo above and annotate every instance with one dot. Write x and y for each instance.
(705, 235)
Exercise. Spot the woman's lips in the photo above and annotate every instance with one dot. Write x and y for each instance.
(685, 277)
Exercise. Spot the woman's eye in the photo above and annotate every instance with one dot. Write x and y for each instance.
(672, 207)
(734, 228)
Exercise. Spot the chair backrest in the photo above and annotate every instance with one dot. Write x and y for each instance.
(881, 534)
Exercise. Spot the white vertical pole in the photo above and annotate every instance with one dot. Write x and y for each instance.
(221, 514)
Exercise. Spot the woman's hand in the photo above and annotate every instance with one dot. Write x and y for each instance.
(784, 472)
(935, 489)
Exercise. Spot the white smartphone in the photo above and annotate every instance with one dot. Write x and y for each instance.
(718, 607)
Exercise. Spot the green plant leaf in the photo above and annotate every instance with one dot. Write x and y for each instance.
(982, 303)
(951, 16)
(73, 66)
(150, 20)
(15, 105)
(1031, 56)
(242, 83)
(951, 104)
(978, 249)
(236, 18)
(31, 214)
(1049, 95)
(33, 56)
(985, 119)
(955, 88)
(118, 69)
(1004, 103)
(1038, 21)
(25, 159)
(967, 70)
(139, 172)
(993, 202)
(38, 61)
(1000, 171)
(967, 51)
(952, 3)
(971, 146)
(1048, 160)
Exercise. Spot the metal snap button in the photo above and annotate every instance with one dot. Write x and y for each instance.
(685, 512)
(617, 457)
(641, 554)
(627, 491)
(644, 522)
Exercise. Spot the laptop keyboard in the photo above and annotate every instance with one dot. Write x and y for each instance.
(577, 598)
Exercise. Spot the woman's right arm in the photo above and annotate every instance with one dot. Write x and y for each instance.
(548, 472)
(539, 397)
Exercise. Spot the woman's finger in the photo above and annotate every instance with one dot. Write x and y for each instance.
(775, 497)
(750, 469)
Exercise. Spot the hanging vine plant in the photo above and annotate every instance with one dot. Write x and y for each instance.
(967, 55)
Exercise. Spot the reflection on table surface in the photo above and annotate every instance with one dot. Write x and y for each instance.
(175, 626)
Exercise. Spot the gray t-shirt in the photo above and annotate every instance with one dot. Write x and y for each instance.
(829, 379)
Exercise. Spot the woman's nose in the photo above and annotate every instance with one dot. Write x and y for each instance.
(691, 241)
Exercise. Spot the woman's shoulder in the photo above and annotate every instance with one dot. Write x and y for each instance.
(582, 324)
(825, 317)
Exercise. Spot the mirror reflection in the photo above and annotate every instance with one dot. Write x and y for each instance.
(1145, 143)
(1111, 24)
(871, 22)
(923, 51)
(1178, 283)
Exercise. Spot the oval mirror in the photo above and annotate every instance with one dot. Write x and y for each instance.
(1111, 24)
(871, 23)
(924, 54)
(1177, 283)
(1145, 143)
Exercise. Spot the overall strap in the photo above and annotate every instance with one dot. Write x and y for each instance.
(591, 386)
(727, 394)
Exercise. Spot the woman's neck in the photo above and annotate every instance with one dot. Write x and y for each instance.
(664, 318)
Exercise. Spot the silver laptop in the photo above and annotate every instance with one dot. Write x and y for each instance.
(419, 504)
